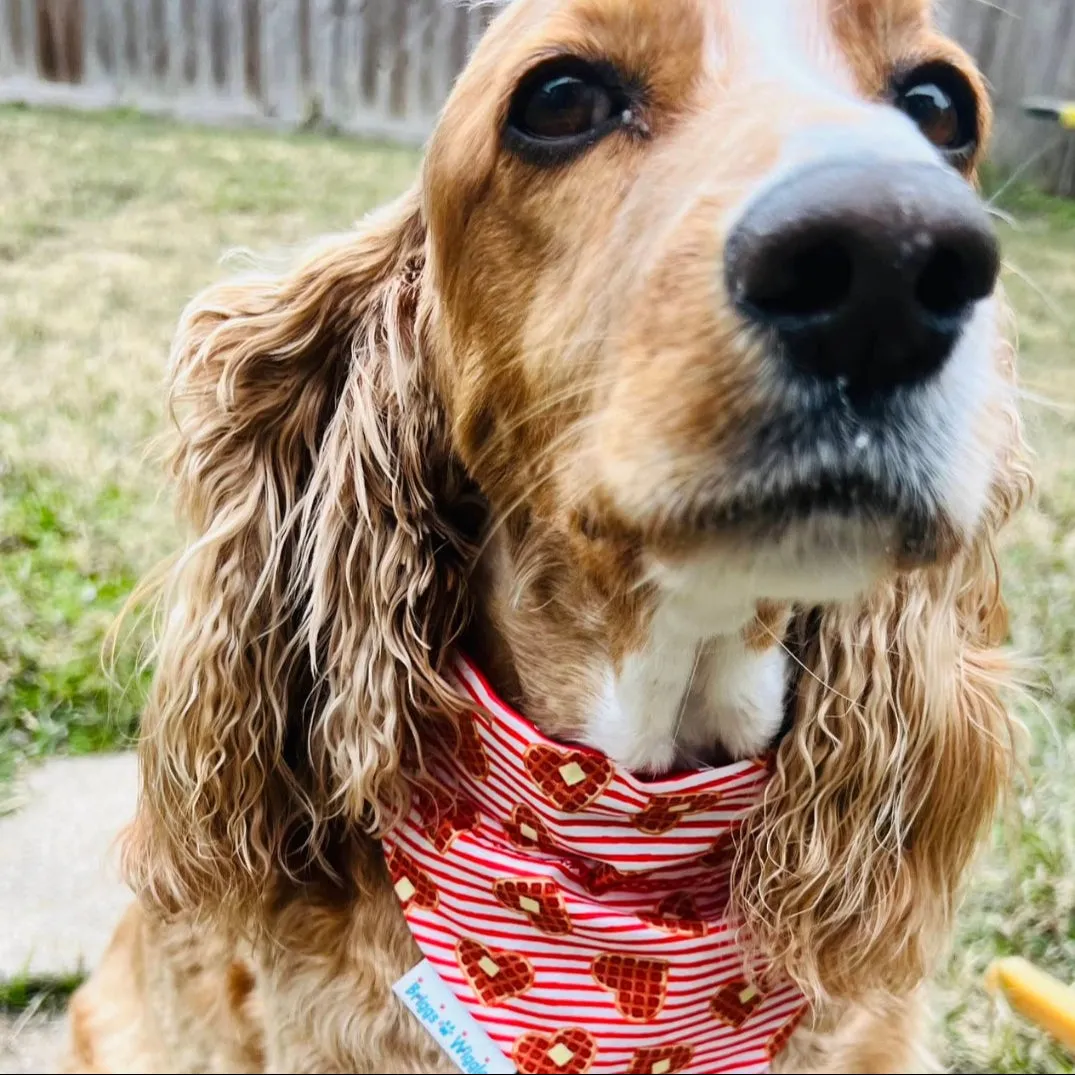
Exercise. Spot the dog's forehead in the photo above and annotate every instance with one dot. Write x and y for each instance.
(752, 22)
(841, 43)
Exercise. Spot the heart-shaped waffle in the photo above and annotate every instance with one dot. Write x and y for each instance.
(569, 779)
(527, 831)
(539, 899)
(468, 747)
(660, 1061)
(736, 1002)
(571, 1051)
(720, 854)
(412, 884)
(445, 815)
(599, 878)
(779, 1041)
(677, 913)
(494, 975)
(639, 986)
(664, 812)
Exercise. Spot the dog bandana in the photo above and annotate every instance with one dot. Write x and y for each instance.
(578, 912)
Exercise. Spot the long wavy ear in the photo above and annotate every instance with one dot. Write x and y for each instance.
(849, 872)
(305, 625)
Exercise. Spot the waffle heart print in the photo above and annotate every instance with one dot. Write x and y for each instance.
(678, 913)
(736, 1002)
(779, 1041)
(540, 900)
(664, 812)
(469, 749)
(527, 831)
(578, 912)
(638, 986)
(495, 975)
(446, 814)
(412, 884)
(566, 1052)
(660, 1061)
(571, 779)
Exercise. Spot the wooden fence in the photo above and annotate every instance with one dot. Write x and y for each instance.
(371, 67)
(383, 67)
(1026, 48)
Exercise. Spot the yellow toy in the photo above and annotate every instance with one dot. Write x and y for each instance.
(1062, 112)
(1037, 996)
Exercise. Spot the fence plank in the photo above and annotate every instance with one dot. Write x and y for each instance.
(156, 42)
(10, 39)
(1065, 87)
(280, 61)
(28, 18)
(250, 48)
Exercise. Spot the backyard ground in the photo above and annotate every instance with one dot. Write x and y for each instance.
(109, 224)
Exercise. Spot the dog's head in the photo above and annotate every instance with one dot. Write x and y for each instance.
(709, 277)
(700, 293)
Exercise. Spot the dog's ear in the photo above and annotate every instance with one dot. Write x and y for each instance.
(304, 629)
(850, 870)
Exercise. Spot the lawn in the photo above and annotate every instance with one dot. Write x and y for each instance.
(109, 224)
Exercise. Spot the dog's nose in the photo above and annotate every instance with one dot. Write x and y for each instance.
(866, 270)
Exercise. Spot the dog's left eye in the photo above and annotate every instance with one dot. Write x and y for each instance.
(942, 103)
(563, 107)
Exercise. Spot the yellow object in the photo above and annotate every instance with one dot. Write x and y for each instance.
(1067, 117)
(1037, 996)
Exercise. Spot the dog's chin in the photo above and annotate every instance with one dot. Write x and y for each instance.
(830, 552)
(814, 526)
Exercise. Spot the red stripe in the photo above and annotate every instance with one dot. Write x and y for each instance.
(715, 975)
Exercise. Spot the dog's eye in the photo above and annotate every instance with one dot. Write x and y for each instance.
(563, 107)
(943, 104)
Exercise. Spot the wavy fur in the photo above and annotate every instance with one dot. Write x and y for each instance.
(324, 580)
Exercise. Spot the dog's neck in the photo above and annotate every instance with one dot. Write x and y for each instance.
(656, 680)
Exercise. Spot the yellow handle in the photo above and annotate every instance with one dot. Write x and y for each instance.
(1067, 117)
(1037, 996)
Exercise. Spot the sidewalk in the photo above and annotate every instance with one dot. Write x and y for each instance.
(60, 893)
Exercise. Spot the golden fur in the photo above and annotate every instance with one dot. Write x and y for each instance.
(417, 438)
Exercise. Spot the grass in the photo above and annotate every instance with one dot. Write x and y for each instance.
(26, 993)
(1023, 899)
(108, 224)
(61, 588)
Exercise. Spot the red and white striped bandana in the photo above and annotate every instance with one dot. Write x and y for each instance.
(578, 912)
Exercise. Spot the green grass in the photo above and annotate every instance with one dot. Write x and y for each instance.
(61, 586)
(1022, 901)
(108, 224)
(47, 994)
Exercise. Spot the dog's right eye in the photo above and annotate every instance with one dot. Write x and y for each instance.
(563, 107)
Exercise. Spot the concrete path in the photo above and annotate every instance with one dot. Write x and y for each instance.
(31, 1044)
(60, 892)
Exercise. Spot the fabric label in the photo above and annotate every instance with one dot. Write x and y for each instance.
(436, 1007)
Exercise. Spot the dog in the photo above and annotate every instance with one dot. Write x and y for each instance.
(678, 400)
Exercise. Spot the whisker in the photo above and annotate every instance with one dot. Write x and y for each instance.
(1023, 169)
(538, 410)
(1054, 307)
(1045, 402)
(682, 710)
(559, 468)
(802, 664)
